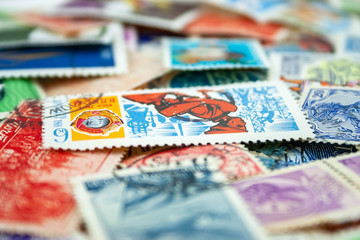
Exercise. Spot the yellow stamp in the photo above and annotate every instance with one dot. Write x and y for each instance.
(99, 118)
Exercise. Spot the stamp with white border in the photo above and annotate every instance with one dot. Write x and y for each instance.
(333, 112)
(300, 197)
(222, 114)
(162, 204)
(67, 60)
(213, 53)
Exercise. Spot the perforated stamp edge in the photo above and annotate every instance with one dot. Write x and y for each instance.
(304, 132)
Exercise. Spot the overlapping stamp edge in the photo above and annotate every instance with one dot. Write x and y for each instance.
(324, 160)
(91, 220)
(304, 132)
(140, 156)
(167, 56)
(119, 55)
(344, 171)
(304, 222)
(301, 101)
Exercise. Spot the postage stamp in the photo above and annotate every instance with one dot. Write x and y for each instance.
(300, 197)
(173, 204)
(348, 44)
(261, 10)
(333, 116)
(335, 69)
(222, 114)
(66, 60)
(174, 16)
(315, 16)
(13, 91)
(285, 154)
(179, 79)
(348, 165)
(302, 43)
(35, 194)
(231, 159)
(143, 66)
(66, 26)
(42, 30)
(212, 53)
(210, 23)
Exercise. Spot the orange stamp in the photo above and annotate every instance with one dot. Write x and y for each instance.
(98, 118)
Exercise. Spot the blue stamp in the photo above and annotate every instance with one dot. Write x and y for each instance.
(199, 54)
(77, 59)
(304, 152)
(186, 203)
(352, 44)
(180, 79)
(334, 113)
(256, 109)
(276, 155)
(228, 113)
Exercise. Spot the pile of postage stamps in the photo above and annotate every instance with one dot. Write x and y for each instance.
(175, 120)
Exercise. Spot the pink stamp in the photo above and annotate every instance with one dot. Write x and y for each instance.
(300, 197)
(35, 194)
(231, 159)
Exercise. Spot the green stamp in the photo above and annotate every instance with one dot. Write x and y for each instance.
(13, 91)
(336, 71)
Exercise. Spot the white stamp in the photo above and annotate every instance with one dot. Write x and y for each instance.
(222, 114)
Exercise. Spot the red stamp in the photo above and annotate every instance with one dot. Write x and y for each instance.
(215, 23)
(35, 194)
(232, 160)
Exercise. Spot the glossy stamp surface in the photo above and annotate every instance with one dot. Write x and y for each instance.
(198, 54)
(333, 116)
(173, 204)
(235, 113)
(300, 196)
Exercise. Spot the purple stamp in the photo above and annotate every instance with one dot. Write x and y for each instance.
(348, 165)
(299, 197)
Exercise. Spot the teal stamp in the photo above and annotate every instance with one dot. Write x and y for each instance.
(203, 54)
